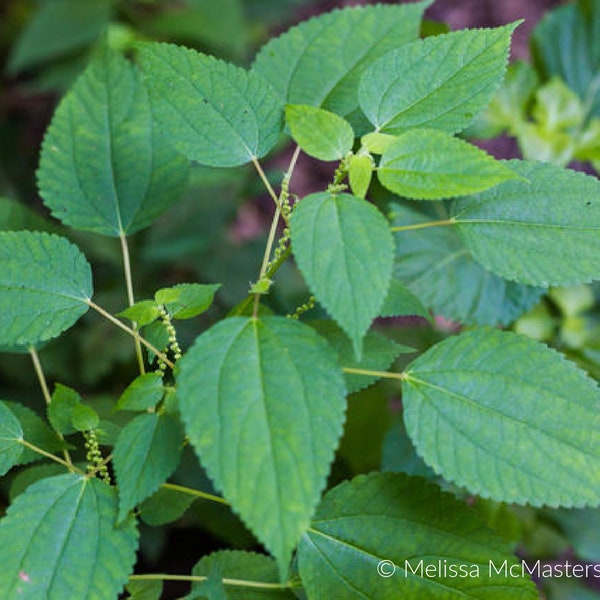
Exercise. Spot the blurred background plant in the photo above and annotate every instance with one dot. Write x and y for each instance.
(547, 109)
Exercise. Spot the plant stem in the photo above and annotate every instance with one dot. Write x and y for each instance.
(53, 457)
(226, 581)
(37, 365)
(424, 225)
(130, 331)
(193, 492)
(264, 179)
(130, 298)
(367, 373)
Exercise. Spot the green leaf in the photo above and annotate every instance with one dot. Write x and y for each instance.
(521, 440)
(62, 407)
(565, 43)
(400, 526)
(145, 455)
(74, 516)
(379, 353)
(45, 284)
(344, 249)
(215, 113)
(187, 300)
(360, 172)
(36, 432)
(542, 233)
(401, 302)
(245, 566)
(320, 61)
(165, 506)
(56, 29)
(29, 475)
(251, 393)
(426, 164)
(435, 264)
(15, 216)
(142, 393)
(84, 418)
(142, 313)
(319, 133)
(11, 433)
(442, 82)
(104, 167)
(148, 589)
(557, 107)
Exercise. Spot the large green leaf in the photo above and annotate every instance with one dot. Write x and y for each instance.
(389, 536)
(215, 113)
(242, 566)
(435, 264)
(45, 283)
(11, 433)
(59, 540)
(263, 403)
(566, 43)
(146, 453)
(506, 417)
(320, 61)
(426, 164)
(344, 249)
(58, 28)
(104, 167)
(441, 82)
(543, 233)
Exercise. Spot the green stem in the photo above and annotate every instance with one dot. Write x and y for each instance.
(264, 179)
(197, 578)
(130, 298)
(441, 223)
(130, 331)
(367, 373)
(53, 457)
(195, 493)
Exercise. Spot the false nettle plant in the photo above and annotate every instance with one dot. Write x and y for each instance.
(261, 397)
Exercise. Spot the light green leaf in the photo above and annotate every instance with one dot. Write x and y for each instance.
(344, 249)
(543, 233)
(251, 393)
(145, 455)
(60, 410)
(379, 353)
(521, 440)
(75, 517)
(382, 531)
(56, 29)
(401, 302)
(143, 312)
(45, 283)
(320, 61)
(426, 164)
(360, 172)
(84, 418)
(165, 506)
(376, 142)
(435, 264)
(319, 133)
(11, 433)
(216, 114)
(145, 589)
(103, 166)
(245, 566)
(441, 82)
(187, 300)
(557, 107)
(142, 393)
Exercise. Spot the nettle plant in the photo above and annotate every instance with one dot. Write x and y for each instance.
(261, 397)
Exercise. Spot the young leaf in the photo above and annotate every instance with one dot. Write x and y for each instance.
(187, 300)
(251, 393)
(215, 113)
(103, 166)
(319, 133)
(521, 440)
(143, 312)
(142, 393)
(435, 264)
(403, 537)
(344, 249)
(320, 61)
(144, 589)
(11, 433)
(45, 283)
(84, 418)
(244, 566)
(442, 82)
(145, 455)
(62, 407)
(426, 164)
(360, 171)
(75, 516)
(543, 233)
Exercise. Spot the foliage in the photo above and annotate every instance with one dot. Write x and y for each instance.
(279, 383)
